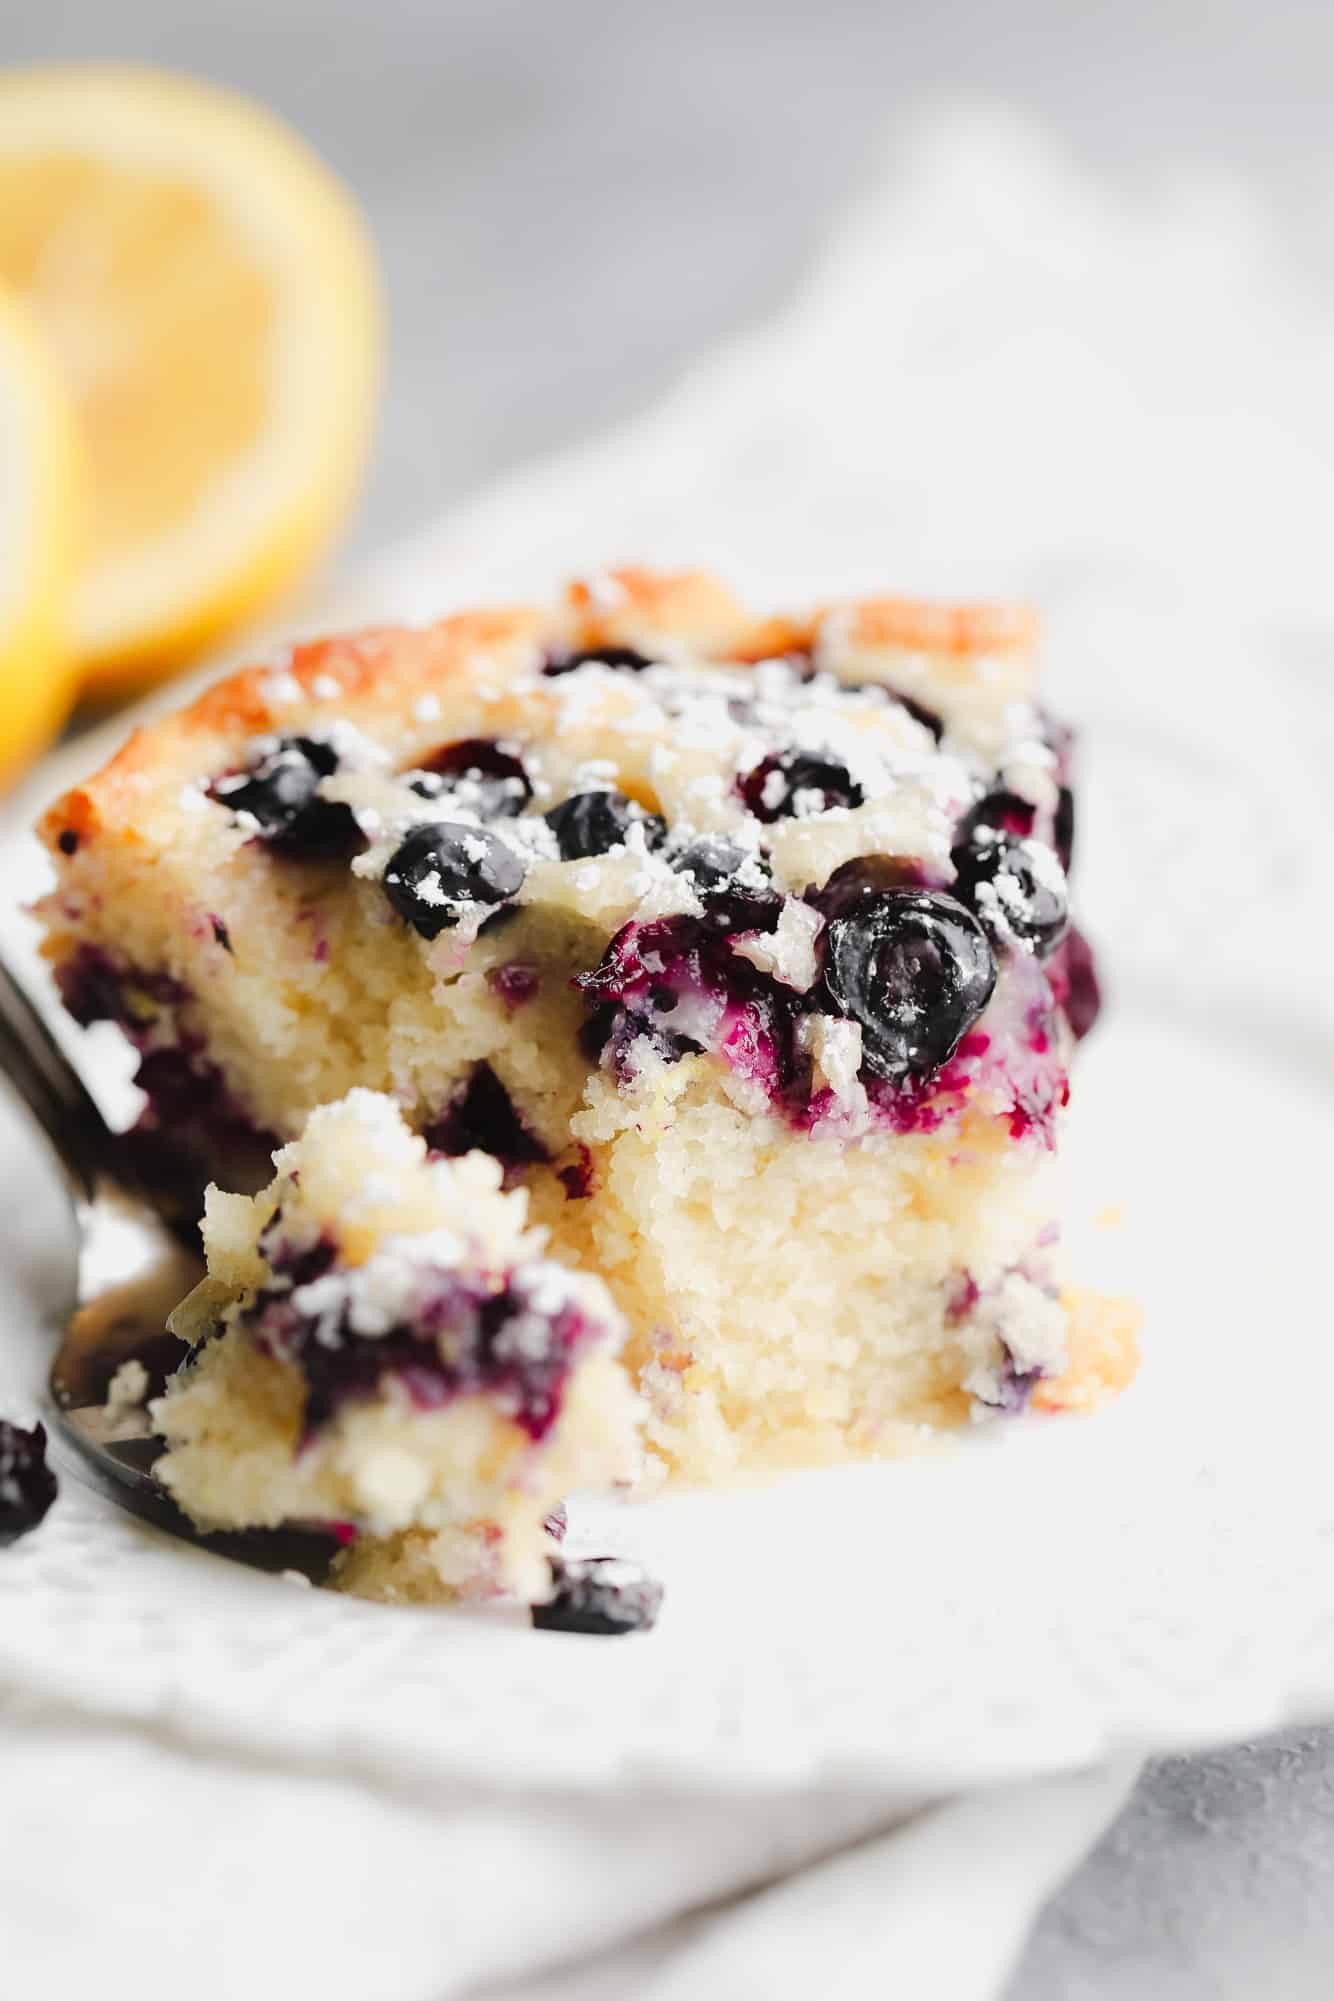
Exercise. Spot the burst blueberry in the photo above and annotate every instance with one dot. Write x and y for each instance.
(592, 823)
(863, 877)
(796, 783)
(1016, 887)
(482, 1116)
(914, 968)
(477, 772)
(27, 1484)
(733, 884)
(603, 1594)
(279, 793)
(1074, 979)
(440, 872)
(998, 812)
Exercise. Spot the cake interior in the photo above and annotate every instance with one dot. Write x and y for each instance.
(743, 947)
(382, 1346)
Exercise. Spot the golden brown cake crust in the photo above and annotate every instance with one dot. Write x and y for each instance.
(386, 668)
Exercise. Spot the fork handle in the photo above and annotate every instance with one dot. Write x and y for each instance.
(50, 1086)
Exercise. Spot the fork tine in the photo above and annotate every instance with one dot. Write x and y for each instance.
(50, 1086)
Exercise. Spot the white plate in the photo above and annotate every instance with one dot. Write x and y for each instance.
(1038, 1595)
(969, 395)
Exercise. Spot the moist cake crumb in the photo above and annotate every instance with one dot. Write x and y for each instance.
(743, 943)
(381, 1341)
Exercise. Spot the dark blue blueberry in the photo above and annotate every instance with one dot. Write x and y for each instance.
(94, 987)
(299, 1266)
(279, 792)
(470, 1334)
(627, 658)
(27, 1484)
(1016, 887)
(482, 1117)
(438, 871)
(612, 1034)
(592, 823)
(797, 783)
(1073, 973)
(999, 812)
(479, 773)
(914, 968)
(1063, 832)
(732, 883)
(603, 1594)
(862, 877)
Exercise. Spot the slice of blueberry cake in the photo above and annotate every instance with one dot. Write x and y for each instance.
(743, 943)
(381, 1344)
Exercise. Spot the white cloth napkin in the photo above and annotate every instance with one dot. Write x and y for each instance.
(998, 379)
(156, 1872)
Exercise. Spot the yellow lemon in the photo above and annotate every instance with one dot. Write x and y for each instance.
(210, 296)
(39, 482)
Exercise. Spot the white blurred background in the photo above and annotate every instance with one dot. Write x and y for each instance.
(571, 197)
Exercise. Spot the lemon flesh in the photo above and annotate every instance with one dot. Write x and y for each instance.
(209, 295)
(39, 518)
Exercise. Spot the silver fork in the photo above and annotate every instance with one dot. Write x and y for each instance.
(132, 1270)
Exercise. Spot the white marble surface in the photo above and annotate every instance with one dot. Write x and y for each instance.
(571, 199)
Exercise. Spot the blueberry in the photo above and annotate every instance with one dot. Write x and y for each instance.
(603, 1594)
(279, 792)
(27, 1484)
(1016, 887)
(866, 876)
(914, 968)
(628, 658)
(1063, 832)
(478, 773)
(591, 823)
(732, 883)
(795, 783)
(468, 1331)
(439, 870)
(1074, 979)
(1000, 812)
(483, 1116)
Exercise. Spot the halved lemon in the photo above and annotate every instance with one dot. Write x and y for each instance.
(39, 511)
(211, 297)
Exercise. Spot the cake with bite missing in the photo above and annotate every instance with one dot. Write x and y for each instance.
(382, 1347)
(742, 944)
